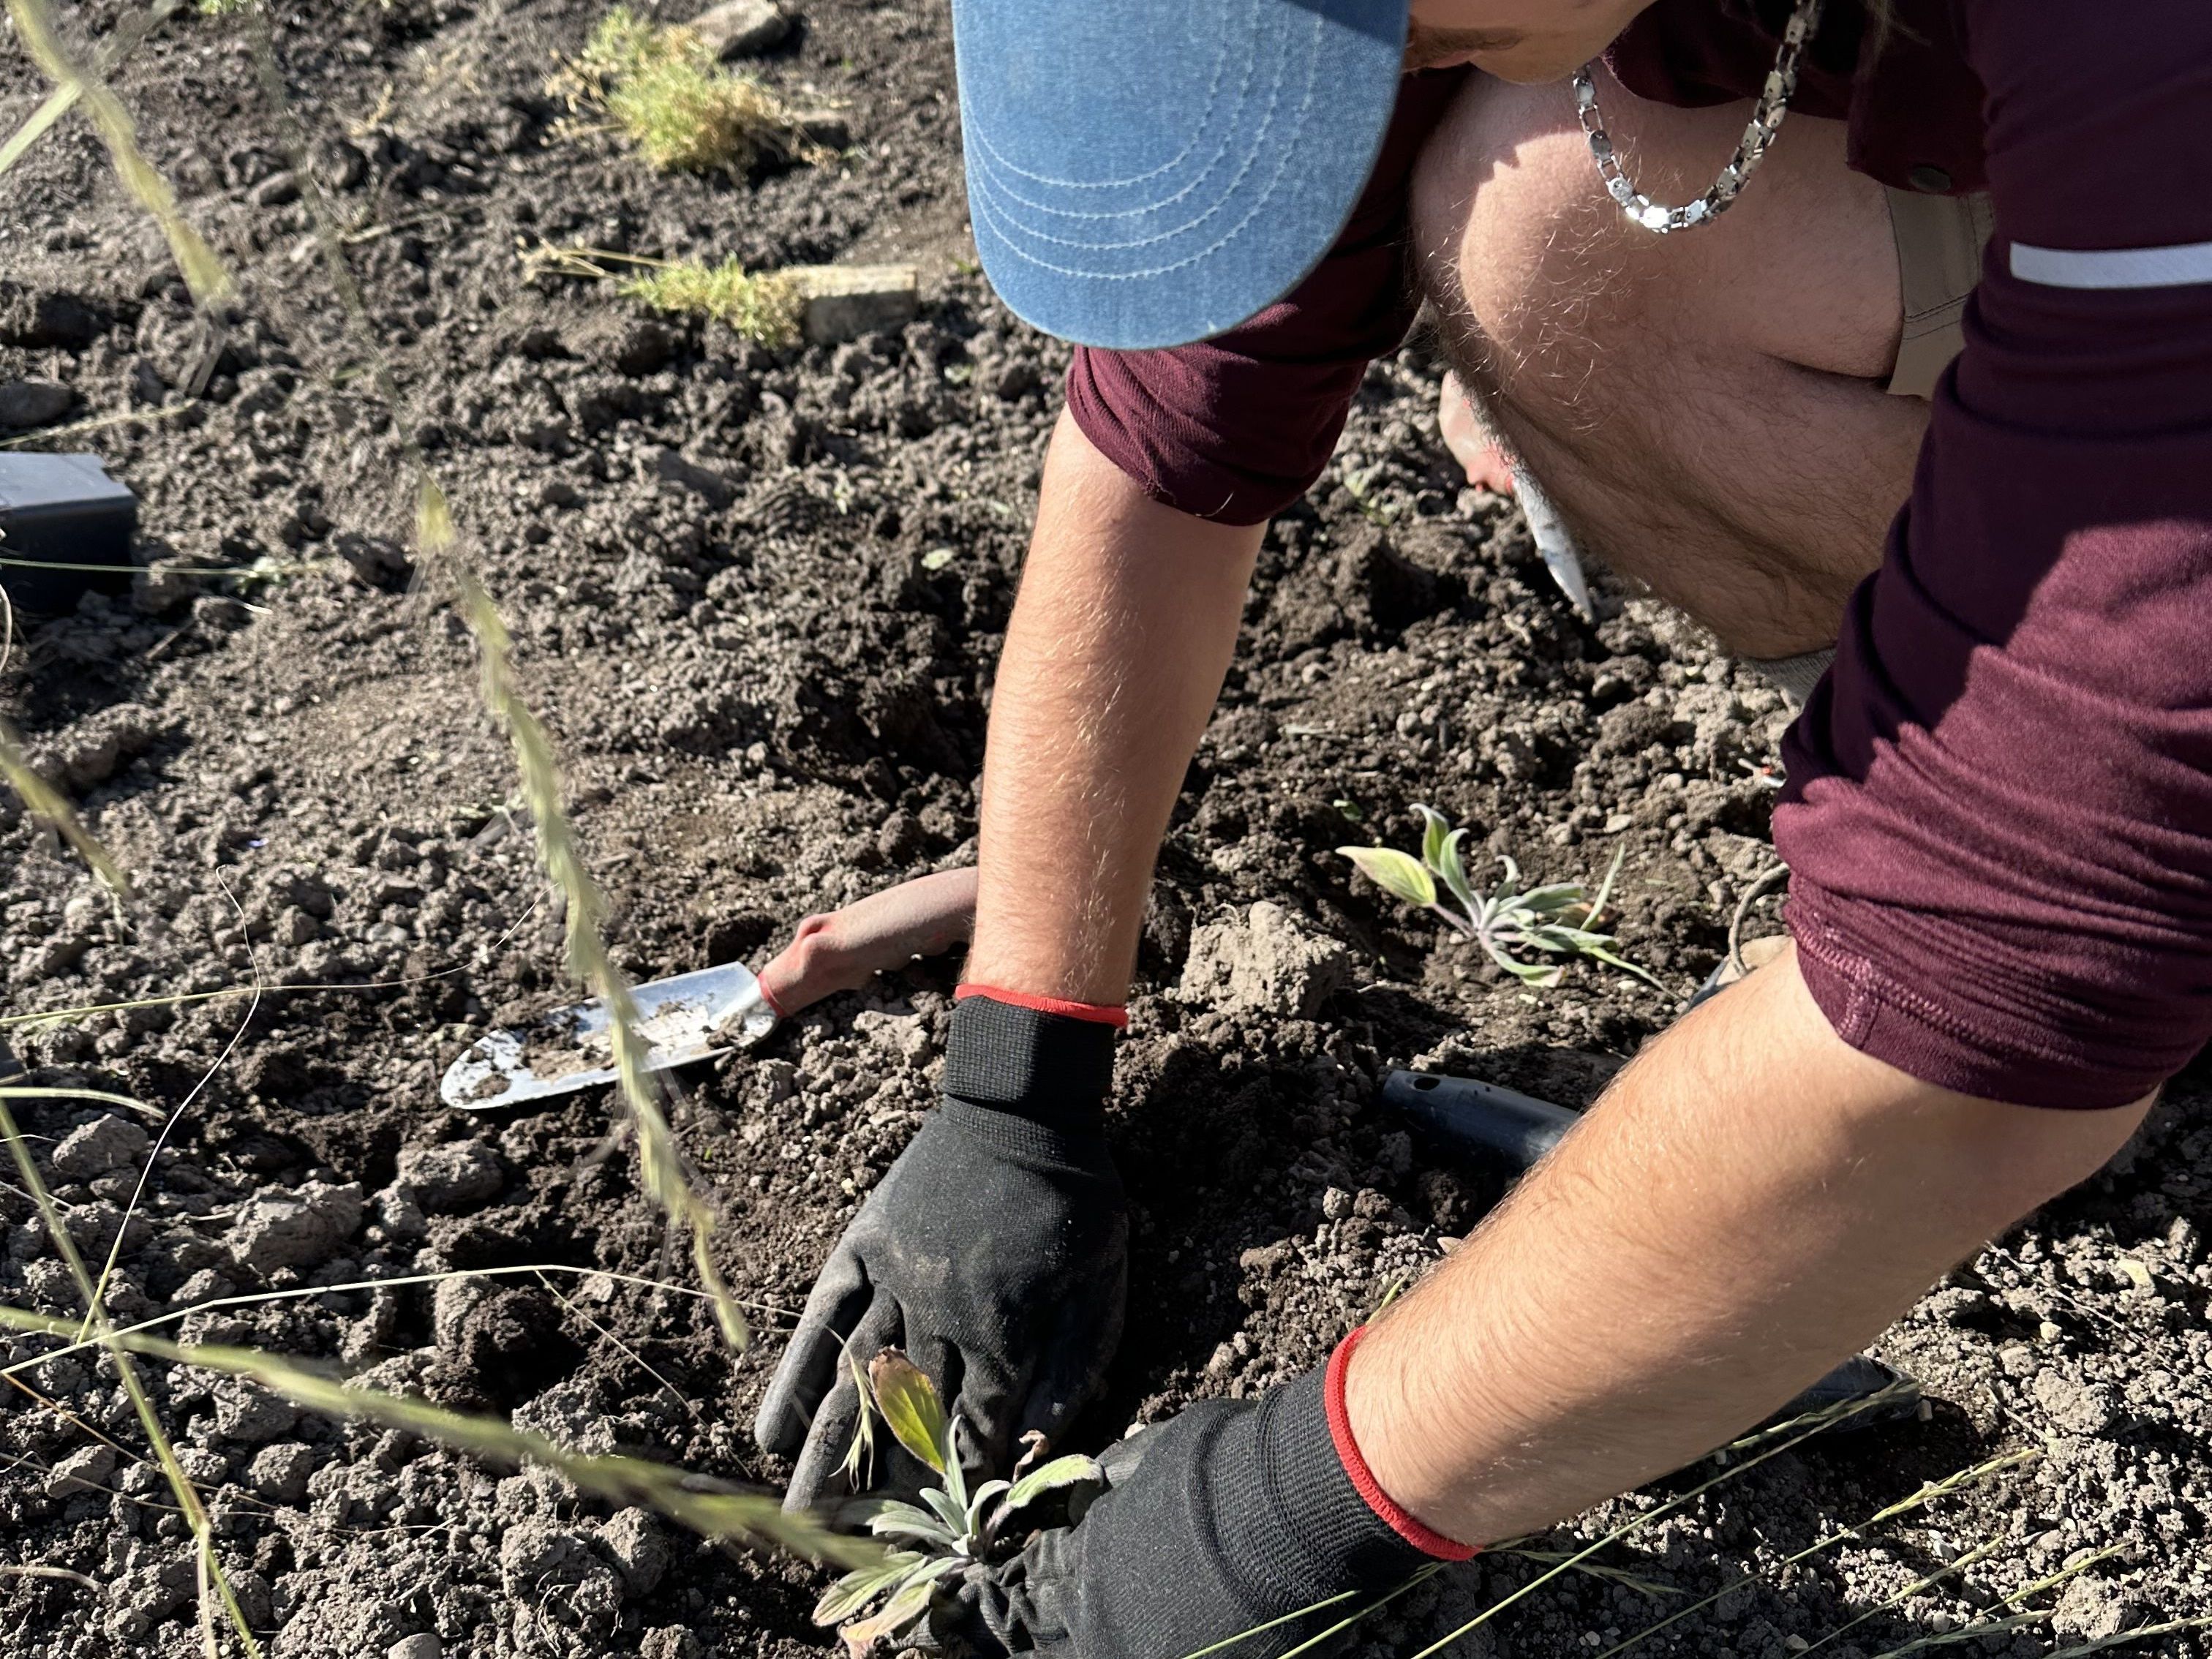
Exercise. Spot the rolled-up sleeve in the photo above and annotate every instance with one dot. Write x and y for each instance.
(1235, 428)
(1999, 816)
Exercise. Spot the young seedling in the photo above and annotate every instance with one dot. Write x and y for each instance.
(954, 1526)
(1557, 921)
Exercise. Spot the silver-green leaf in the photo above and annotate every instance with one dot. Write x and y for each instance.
(1395, 872)
(1071, 1470)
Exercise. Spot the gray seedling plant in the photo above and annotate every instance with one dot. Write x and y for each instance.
(1554, 924)
(953, 1527)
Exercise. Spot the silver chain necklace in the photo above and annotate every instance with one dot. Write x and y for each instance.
(1766, 121)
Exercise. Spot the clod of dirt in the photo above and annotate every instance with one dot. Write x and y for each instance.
(2072, 1406)
(536, 1555)
(506, 1342)
(708, 485)
(1263, 962)
(741, 28)
(279, 1473)
(279, 1229)
(82, 1471)
(633, 1540)
(251, 1416)
(92, 751)
(398, 1214)
(91, 1150)
(34, 402)
(448, 1180)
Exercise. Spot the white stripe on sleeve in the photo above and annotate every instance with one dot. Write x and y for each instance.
(2118, 267)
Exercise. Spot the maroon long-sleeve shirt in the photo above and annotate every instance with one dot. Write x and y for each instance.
(1999, 813)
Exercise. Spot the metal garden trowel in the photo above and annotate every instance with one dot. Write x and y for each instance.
(698, 1016)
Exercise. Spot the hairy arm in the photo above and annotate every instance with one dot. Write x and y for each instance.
(1750, 1202)
(1119, 638)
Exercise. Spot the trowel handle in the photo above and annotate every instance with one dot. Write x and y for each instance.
(1518, 1128)
(843, 950)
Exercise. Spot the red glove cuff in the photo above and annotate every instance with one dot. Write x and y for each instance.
(1397, 1518)
(1098, 1013)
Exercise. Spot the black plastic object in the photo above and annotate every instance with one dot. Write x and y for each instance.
(1473, 1116)
(60, 511)
(1479, 1116)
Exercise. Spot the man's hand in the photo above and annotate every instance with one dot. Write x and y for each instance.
(994, 1252)
(1237, 1514)
(1751, 1201)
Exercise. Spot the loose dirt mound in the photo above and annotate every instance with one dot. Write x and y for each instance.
(757, 596)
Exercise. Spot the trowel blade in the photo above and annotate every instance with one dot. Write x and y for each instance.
(686, 1017)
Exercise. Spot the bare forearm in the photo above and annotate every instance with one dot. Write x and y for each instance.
(1115, 655)
(1752, 1201)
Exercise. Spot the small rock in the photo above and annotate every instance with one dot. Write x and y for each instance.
(742, 28)
(843, 302)
(81, 1471)
(447, 1180)
(1336, 1204)
(638, 1547)
(423, 1644)
(671, 1642)
(93, 1149)
(250, 1415)
(34, 402)
(1265, 964)
(276, 1228)
(279, 1473)
(295, 927)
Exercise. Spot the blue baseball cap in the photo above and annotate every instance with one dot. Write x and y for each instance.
(1146, 173)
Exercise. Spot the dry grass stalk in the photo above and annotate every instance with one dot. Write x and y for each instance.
(1784, 1438)
(202, 272)
(1948, 1486)
(667, 1180)
(258, 1299)
(113, 51)
(45, 803)
(661, 1162)
(214, 1584)
(682, 1498)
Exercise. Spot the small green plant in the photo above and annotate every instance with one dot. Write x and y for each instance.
(764, 306)
(760, 306)
(1557, 921)
(954, 1525)
(661, 88)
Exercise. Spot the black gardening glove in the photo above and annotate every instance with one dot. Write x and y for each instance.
(994, 1251)
(1234, 1515)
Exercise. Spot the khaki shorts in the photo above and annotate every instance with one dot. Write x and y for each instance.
(1940, 240)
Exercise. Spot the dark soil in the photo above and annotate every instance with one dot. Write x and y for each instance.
(769, 687)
